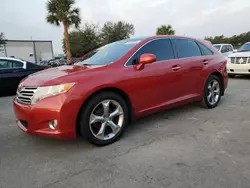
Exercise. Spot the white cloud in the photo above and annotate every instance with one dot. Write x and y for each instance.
(157, 3)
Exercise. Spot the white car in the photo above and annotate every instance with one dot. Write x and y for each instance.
(239, 63)
(225, 49)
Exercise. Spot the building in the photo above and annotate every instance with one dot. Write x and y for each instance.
(29, 50)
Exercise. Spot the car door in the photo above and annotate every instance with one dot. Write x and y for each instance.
(10, 75)
(18, 72)
(5, 71)
(192, 63)
(157, 84)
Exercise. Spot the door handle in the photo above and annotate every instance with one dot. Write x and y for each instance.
(205, 62)
(176, 67)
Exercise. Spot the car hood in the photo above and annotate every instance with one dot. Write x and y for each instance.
(58, 75)
(240, 54)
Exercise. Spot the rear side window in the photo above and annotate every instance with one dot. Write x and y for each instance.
(186, 48)
(17, 64)
(205, 50)
(161, 48)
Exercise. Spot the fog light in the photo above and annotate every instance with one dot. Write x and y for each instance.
(53, 124)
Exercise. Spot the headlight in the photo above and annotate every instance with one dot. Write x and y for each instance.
(48, 91)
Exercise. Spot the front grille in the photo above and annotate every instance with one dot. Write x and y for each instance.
(25, 94)
(240, 60)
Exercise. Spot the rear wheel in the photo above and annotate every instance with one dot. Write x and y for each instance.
(212, 92)
(104, 118)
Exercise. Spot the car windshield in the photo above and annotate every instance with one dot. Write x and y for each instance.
(217, 47)
(244, 48)
(108, 53)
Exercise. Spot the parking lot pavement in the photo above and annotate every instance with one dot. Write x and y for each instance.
(185, 147)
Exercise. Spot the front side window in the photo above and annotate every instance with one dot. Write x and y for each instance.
(230, 48)
(186, 48)
(17, 64)
(5, 64)
(224, 49)
(161, 48)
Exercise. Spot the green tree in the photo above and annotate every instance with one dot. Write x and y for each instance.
(2, 38)
(235, 40)
(62, 11)
(165, 30)
(84, 40)
(112, 32)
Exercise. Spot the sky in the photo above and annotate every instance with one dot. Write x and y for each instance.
(25, 19)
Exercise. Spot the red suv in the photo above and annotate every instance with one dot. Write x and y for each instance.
(98, 96)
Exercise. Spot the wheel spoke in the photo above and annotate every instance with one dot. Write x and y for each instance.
(209, 87)
(106, 119)
(95, 118)
(118, 111)
(214, 85)
(105, 105)
(212, 98)
(213, 92)
(113, 126)
(209, 96)
(217, 91)
(101, 132)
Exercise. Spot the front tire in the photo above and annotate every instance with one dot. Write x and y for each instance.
(104, 118)
(212, 92)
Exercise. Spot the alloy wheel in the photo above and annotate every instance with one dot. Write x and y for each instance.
(106, 119)
(213, 95)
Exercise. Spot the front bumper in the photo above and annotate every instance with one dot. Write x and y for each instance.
(240, 69)
(34, 119)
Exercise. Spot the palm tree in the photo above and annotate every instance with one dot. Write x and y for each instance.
(62, 11)
(165, 30)
(2, 39)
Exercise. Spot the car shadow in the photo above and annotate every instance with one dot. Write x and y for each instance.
(163, 115)
(7, 94)
(241, 77)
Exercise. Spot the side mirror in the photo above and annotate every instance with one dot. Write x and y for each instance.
(234, 51)
(147, 59)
